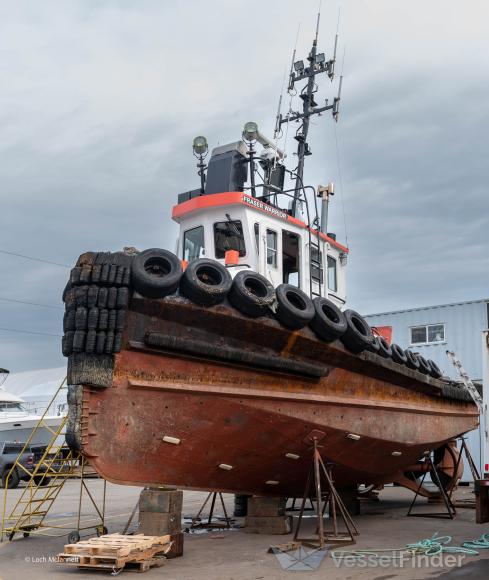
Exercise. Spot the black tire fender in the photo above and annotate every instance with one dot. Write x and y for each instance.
(424, 367)
(398, 354)
(156, 273)
(69, 320)
(294, 307)
(205, 282)
(412, 360)
(81, 316)
(385, 351)
(358, 333)
(67, 343)
(329, 322)
(435, 370)
(112, 298)
(374, 345)
(251, 293)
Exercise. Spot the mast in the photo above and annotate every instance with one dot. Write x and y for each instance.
(317, 65)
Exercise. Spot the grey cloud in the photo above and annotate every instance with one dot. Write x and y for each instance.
(100, 102)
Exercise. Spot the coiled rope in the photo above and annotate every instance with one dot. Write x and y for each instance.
(427, 547)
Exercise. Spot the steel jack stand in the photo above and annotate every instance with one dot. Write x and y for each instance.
(451, 511)
(196, 521)
(317, 472)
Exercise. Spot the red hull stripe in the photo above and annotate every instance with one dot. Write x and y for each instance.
(239, 198)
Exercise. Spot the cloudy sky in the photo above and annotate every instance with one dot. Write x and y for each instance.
(99, 102)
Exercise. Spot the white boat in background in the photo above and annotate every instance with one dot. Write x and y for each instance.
(17, 423)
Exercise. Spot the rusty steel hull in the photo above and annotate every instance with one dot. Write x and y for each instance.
(250, 395)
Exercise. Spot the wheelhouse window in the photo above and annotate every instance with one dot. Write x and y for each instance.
(228, 235)
(272, 248)
(316, 264)
(332, 274)
(427, 333)
(193, 244)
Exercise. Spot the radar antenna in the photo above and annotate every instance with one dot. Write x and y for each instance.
(299, 72)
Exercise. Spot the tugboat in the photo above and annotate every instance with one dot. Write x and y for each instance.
(215, 368)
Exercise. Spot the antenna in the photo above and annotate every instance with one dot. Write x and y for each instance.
(336, 105)
(299, 71)
(317, 23)
(336, 102)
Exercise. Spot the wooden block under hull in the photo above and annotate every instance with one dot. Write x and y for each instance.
(156, 524)
(161, 501)
(266, 506)
(268, 525)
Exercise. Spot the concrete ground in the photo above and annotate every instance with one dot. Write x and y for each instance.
(236, 555)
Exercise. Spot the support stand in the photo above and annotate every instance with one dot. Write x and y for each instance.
(451, 511)
(197, 522)
(329, 496)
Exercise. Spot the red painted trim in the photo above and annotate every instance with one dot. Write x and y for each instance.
(236, 197)
(206, 201)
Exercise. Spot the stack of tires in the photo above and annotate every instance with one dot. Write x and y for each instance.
(98, 294)
(96, 299)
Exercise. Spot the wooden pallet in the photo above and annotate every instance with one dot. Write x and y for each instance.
(116, 551)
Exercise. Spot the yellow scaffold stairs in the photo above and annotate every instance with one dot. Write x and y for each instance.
(56, 464)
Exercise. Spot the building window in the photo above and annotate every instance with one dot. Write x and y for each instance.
(332, 278)
(272, 248)
(427, 333)
(193, 244)
(229, 236)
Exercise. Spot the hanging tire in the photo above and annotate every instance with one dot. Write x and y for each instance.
(329, 322)
(112, 298)
(374, 345)
(67, 343)
(81, 316)
(104, 273)
(79, 341)
(69, 320)
(412, 360)
(251, 293)
(385, 350)
(91, 341)
(424, 367)
(122, 297)
(205, 282)
(156, 273)
(109, 342)
(358, 333)
(295, 309)
(100, 344)
(92, 318)
(81, 293)
(112, 320)
(103, 319)
(92, 296)
(121, 320)
(435, 370)
(103, 294)
(398, 354)
(75, 275)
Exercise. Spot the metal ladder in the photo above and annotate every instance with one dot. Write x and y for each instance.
(469, 385)
(57, 464)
